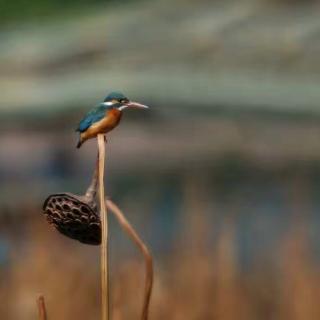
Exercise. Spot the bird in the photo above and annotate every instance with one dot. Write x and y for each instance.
(105, 116)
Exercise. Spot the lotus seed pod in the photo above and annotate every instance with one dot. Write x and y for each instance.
(74, 216)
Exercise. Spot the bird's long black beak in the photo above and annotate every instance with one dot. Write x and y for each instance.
(133, 105)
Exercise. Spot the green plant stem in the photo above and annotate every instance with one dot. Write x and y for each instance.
(145, 251)
(104, 233)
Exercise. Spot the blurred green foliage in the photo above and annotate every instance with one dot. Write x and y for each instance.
(24, 10)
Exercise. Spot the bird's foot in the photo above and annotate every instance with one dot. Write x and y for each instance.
(105, 139)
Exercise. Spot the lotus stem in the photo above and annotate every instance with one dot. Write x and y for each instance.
(104, 232)
(92, 189)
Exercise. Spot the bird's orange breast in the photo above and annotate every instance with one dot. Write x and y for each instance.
(106, 124)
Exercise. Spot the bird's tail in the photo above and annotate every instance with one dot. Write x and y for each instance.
(79, 143)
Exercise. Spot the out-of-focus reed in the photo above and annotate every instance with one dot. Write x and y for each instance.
(189, 284)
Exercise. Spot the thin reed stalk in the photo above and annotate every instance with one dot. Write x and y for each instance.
(145, 251)
(41, 308)
(104, 234)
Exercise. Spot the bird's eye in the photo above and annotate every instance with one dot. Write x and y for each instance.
(124, 100)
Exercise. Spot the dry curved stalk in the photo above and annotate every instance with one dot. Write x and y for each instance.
(104, 232)
(147, 256)
(41, 308)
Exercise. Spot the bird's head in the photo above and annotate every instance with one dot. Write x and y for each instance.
(119, 101)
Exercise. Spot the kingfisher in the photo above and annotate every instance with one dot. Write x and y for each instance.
(105, 116)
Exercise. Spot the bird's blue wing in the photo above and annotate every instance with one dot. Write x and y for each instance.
(91, 117)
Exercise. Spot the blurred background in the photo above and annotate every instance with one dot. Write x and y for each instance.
(221, 177)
